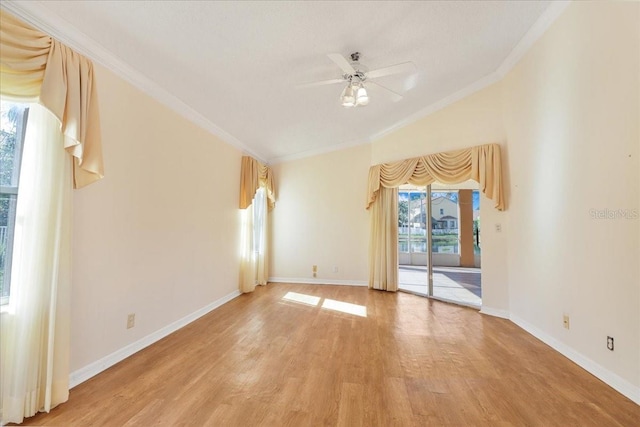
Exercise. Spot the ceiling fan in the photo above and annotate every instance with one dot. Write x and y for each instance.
(356, 75)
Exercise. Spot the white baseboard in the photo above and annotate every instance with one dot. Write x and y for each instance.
(495, 312)
(316, 281)
(93, 369)
(616, 382)
(613, 380)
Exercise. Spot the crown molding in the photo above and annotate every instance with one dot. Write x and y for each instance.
(37, 15)
(536, 31)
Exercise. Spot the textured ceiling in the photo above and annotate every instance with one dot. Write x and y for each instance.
(237, 63)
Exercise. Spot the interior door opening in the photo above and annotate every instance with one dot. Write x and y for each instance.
(439, 242)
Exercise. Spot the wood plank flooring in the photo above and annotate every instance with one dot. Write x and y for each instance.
(263, 359)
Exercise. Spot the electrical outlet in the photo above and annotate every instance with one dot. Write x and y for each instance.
(335, 268)
(314, 269)
(131, 321)
(610, 343)
(565, 321)
(498, 228)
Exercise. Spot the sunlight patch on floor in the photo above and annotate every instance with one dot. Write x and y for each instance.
(328, 304)
(302, 298)
(345, 307)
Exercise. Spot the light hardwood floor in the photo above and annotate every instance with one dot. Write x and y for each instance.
(264, 360)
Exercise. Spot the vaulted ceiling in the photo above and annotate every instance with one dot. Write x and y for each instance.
(232, 67)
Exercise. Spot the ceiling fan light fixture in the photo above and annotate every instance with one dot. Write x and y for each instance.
(348, 96)
(362, 97)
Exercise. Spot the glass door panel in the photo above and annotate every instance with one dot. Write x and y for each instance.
(413, 240)
(456, 278)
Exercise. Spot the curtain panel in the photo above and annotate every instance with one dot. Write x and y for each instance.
(62, 149)
(35, 67)
(35, 327)
(254, 261)
(257, 199)
(383, 246)
(482, 164)
(254, 175)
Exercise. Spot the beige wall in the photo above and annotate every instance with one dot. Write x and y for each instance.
(158, 235)
(571, 116)
(320, 217)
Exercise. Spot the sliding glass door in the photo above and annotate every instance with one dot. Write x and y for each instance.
(438, 243)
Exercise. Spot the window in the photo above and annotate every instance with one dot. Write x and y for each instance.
(441, 211)
(13, 120)
(259, 207)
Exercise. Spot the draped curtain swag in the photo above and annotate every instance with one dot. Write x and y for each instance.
(481, 163)
(254, 174)
(34, 66)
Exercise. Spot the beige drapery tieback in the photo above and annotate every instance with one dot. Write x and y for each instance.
(481, 163)
(35, 67)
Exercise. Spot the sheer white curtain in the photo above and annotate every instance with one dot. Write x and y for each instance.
(253, 265)
(34, 343)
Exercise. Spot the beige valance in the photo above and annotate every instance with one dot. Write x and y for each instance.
(481, 163)
(254, 174)
(35, 67)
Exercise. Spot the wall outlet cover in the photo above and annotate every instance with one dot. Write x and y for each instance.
(131, 321)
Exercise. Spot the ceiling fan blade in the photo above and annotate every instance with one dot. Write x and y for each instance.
(405, 67)
(395, 97)
(342, 62)
(320, 83)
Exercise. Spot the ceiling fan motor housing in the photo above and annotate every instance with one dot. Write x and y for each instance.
(358, 76)
(361, 71)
